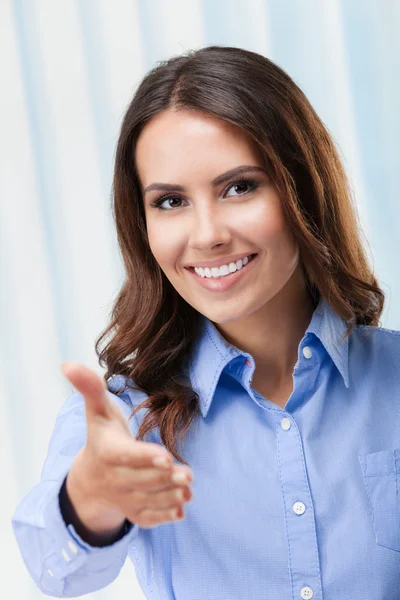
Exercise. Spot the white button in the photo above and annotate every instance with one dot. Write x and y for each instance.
(306, 593)
(285, 423)
(299, 508)
(307, 352)
(65, 555)
(72, 547)
(50, 572)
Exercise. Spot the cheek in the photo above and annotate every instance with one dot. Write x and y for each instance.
(273, 234)
(164, 245)
(269, 226)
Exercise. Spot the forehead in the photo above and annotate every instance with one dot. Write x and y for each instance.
(190, 143)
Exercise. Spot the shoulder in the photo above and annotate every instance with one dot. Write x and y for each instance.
(378, 334)
(124, 388)
(378, 342)
(123, 391)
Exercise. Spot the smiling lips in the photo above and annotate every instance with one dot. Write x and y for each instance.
(223, 282)
(219, 262)
(223, 270)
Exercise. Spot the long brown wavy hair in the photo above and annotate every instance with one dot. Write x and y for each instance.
(152, 328)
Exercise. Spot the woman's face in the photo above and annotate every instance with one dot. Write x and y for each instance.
(213, 221)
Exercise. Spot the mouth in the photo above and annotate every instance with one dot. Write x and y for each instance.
(220, 284)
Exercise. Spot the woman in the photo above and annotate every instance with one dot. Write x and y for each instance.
(247, 330)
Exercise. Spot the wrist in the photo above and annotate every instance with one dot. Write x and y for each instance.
(94, 521)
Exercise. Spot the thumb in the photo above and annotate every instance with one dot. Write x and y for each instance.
(91, 386)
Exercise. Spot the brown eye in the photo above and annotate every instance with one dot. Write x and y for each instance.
(250, 184)
(158, 203)
(244, 183)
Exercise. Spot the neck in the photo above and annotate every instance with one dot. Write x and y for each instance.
(273, 333)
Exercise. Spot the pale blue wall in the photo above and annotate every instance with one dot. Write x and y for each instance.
(68, 71)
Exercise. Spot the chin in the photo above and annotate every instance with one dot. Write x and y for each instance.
(227, 312)
(222, 317)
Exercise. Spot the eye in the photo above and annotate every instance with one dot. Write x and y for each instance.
(252, 184)
(159, 201)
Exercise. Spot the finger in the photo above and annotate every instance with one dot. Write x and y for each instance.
(148, 518)
(126, 480)
(168, 498)
(91, 386)
(132, 454)
(139, 456)
(154, 500)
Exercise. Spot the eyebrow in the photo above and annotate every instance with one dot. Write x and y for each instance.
(172, 187)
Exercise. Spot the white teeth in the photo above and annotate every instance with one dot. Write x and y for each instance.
(232, 267)
(223, 270)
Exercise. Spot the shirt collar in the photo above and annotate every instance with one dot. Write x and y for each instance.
(212, 352)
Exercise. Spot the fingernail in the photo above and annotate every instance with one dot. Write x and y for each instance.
(161, 461)
(187, 494)
(66, 363)
(179, 477)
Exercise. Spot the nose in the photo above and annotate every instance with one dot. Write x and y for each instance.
(208, 229)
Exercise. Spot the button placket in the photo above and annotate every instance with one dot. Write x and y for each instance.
(300, 522)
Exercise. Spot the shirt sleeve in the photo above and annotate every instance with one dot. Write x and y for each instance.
(59, 561)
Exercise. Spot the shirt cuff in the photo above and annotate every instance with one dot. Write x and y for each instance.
(70, 551)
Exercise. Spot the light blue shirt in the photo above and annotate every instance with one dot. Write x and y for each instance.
(288, 504)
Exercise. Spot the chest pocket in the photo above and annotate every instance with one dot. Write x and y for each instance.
(381, 473)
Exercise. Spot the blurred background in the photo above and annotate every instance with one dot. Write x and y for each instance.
(68, 71)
